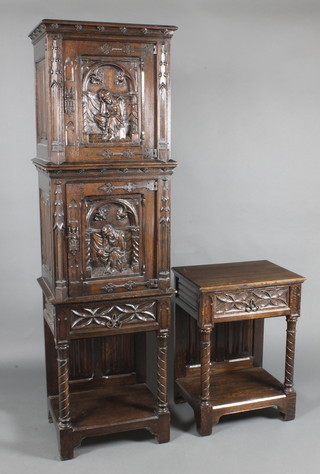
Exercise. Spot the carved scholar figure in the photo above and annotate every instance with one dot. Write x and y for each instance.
(109, 245)
(111, 118)
(113, 236)
(110, 102)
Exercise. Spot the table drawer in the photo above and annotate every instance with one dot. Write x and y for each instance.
(251, 300)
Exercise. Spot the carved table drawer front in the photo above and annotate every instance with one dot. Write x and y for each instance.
(113, 316)
(251, 300)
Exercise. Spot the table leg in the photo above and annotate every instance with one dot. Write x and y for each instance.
(163, 434)
(204, 416)
(289, 414)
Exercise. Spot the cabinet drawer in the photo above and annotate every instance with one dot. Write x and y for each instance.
(251, 301)
(113, 317)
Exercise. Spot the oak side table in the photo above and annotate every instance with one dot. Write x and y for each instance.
(217, 369)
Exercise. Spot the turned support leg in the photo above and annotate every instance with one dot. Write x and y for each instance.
(290, 349)
(63, 382)
(204, 418)
(289, 413)
(162, 394)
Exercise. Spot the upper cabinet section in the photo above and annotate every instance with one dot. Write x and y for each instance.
(102, 91)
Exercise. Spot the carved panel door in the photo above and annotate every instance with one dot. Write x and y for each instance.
(109, 98)
(111, 236)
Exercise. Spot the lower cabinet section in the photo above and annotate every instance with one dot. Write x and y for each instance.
(96, 357)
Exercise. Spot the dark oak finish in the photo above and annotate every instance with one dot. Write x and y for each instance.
(218, 367)
(104, 165)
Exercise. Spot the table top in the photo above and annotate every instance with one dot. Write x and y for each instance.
(237, 275)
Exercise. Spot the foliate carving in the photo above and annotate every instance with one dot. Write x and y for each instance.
(69, 100)
(149, 154)
(114, 316)
(131, 285)
(55, 71)
(58, 213)
(252, 299)
(56, 95)
(113, 235)
(110, 100)
(129, 187)
(163, 69)
(74, 240)
(165, 204)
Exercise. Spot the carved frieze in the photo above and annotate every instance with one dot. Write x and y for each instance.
(114, 316)
(131, 285)
(129, 187)
(252, 299)
(148, 154)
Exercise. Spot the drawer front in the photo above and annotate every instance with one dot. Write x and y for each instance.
(113, 316)
(251, 300)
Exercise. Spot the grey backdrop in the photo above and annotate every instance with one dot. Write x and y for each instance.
(245, 131)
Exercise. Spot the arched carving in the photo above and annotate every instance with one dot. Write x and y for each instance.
(110, 97)
(112, 236)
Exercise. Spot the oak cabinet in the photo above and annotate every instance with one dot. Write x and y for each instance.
(104, 165)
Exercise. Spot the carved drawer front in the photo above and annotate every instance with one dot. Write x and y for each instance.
(251, 301)
(111, 236)
(113, 316)
(109, 99)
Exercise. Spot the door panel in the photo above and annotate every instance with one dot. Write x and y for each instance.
(111, 236)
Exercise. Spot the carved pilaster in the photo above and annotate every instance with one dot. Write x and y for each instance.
(162, 401)
(56, 98)
(164, 101)
(59, 229)
(164, 232)
(205, 350)
(290, 351)
(63, 383)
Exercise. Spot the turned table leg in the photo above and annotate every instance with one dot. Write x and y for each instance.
(65, 427)
(162, 393)
(204, 418)
(289, 368)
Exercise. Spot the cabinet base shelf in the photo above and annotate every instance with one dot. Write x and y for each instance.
(107, 410)
(234, 392)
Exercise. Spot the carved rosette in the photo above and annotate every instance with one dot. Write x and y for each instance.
(113, 316)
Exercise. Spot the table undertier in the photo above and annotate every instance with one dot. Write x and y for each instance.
(252, 386)
(109, 409)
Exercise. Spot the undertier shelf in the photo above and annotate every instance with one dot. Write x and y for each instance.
(253, 387)
(110, 409)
